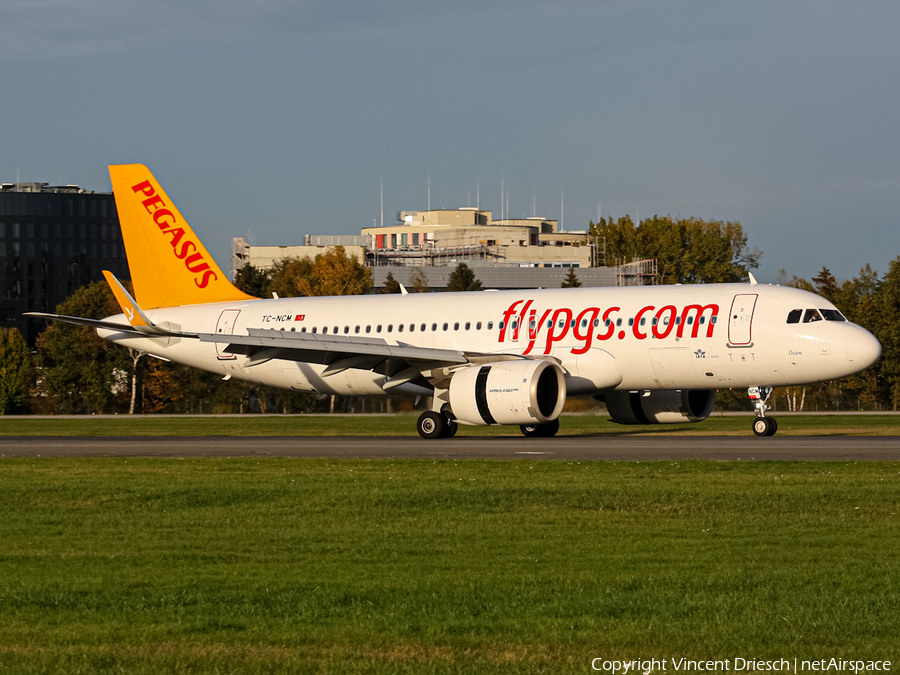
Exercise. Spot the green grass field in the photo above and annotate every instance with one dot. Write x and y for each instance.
(325, 566)
(405, 425)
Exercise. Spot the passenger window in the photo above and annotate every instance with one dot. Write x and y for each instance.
(596, 323)
(794, 316)
(324, 330)
(446, 326)
(713, 320)
(456, 326)
(368, 329)
(390, 328)
(412, 328)
(631, 322)
(478, 326)
(399, 328)
(293, 330)
(490, 325)
(561, 323)
(433, 327)
(422, 328)
(833, 315)
(378, 328)
(335, 329)
(702, 320)
(572, 323)
(356, 330)
(303, 330)
(346, 329)
(812, 315)
(643, 321)
(314, 329)
(468, 325)
(618, 323)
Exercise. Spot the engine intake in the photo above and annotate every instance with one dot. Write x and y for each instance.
(523, 391)
(660, 407)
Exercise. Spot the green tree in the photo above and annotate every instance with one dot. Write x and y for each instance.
(571, 280)
(887, 330)
(419, 281)
(825, 285)
(330, 273)
(687, 250)
(391, 285)
(253, 281)
(463, 279)
(15, 371)
(81, 371)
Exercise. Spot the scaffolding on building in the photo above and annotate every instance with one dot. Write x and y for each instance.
(637, 273)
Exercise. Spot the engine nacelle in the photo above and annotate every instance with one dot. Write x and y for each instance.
(524, 391)
(660, 407)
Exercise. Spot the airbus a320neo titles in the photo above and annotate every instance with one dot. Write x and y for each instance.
(653, 354)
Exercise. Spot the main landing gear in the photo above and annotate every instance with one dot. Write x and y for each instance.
(762, 425)
(433, 424)
(540, 430)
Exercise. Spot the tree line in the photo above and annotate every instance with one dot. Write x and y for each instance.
(72, 370)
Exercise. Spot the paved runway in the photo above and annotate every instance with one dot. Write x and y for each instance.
(581, 448)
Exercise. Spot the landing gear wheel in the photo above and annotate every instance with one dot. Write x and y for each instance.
(450, 428)
(765, 426)
(540, 430)
(431, 425)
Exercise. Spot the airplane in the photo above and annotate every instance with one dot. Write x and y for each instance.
(652, 354)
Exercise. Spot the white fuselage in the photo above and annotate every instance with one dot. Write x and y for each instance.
(638, 338)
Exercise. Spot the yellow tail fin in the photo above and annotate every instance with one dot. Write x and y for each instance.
(169, 265)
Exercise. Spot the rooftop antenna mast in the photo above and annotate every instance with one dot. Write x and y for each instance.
(477, 196)
(429, 191)
(382, 201)
(502, 196)
(533, 204)
(562, 209)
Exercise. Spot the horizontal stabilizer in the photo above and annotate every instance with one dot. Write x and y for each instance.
(108, 325)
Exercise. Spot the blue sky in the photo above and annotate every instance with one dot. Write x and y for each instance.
(275, 119)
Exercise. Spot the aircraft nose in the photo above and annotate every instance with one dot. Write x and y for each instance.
(863, 349)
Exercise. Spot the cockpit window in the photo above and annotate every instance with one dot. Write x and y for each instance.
(794, 316)
(832, 315)
(812, 315)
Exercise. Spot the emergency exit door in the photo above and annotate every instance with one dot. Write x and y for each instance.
(741, 318)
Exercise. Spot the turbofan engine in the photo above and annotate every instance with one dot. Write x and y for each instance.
(660, 407)
(524, 391)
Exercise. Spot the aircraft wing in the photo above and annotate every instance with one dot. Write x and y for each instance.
(400, 363)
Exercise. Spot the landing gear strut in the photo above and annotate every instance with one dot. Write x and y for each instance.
(433, 424)
(762, 425)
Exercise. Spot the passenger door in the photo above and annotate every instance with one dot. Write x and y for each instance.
(225, 326)
(740, 319)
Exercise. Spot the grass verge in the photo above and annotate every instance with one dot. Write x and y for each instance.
(285, 565)
(405, 425)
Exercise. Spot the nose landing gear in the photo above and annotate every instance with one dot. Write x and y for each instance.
(762, 425)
